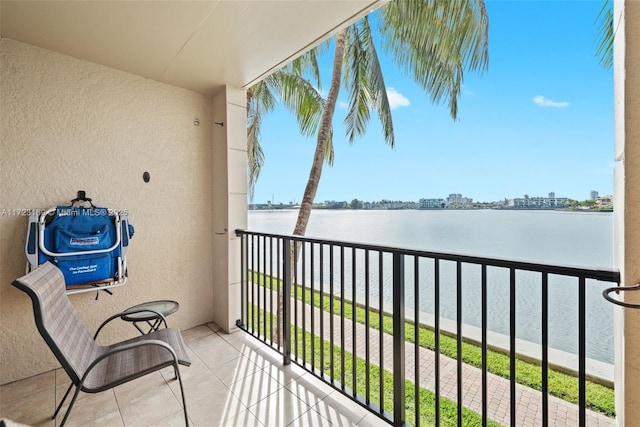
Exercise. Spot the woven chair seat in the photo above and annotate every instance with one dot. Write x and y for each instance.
(93, 367)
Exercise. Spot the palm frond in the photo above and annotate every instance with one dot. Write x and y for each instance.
(329, 154)
(435, 41)
(297, 94)
(260, 100)
(355, 79)
(307, 64)
(301, 98)
(377, 85)
(605, 35)
(363, 79)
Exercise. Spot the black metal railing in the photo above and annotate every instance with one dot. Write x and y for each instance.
(352, 311)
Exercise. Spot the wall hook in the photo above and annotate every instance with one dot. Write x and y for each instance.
(219, 123)
(196, 122)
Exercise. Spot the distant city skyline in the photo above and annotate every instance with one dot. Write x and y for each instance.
(593, 194)
(539, 120)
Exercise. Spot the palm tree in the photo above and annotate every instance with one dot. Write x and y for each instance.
(433, 41)
(290, 86)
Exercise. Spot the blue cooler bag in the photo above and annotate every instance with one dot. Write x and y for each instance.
(84, 242)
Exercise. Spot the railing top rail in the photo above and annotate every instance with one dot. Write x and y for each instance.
(602, 274)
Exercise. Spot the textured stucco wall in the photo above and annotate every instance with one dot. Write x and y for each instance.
(627, 202)
(69, 125)
(631, 160)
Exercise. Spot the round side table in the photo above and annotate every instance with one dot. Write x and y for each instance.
(165, 307)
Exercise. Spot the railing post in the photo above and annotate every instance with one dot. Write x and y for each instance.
(285, 322)
(244, 279)
(398, 341)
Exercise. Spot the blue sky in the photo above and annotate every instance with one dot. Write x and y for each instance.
(540, 119)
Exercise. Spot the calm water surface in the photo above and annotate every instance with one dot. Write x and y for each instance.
(582, 239)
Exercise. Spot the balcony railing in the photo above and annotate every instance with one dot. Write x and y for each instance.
(373, 322)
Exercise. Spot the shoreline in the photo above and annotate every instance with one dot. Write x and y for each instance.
(596, 371)
(297, 207)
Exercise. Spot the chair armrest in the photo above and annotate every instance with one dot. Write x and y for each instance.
(126, 347)
(118, 315)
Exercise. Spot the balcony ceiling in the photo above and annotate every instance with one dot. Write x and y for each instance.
(197, 45)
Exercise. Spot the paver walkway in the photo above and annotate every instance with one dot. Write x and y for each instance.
(528, 401)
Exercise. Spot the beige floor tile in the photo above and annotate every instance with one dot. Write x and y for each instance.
(265, 357)
(195, 333)
(372, 420)
(26, 387)
(284, 373)
(36, 406)
(142, 386)
(235, 370)
(96, 409)
(249, 348)
(214, 408)
(234, 380)
(174, 420)
(198, 386)
(37, 421)
(253, 388)
(149, 406)
(43, 421)
(196, 369)
(213, 350)
(279, 408)
(61, 377)
(62, 389)
(338, 409)
(242, 341)
(213, 327)
(243, 419)
(309, 389)
(313, 419)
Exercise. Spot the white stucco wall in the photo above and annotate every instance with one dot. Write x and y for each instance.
(618, 191)
(69, 125)
(230, 210)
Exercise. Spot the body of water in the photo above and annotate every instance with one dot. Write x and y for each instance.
(581, 239)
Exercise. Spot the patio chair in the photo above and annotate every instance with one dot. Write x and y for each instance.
(94, 368)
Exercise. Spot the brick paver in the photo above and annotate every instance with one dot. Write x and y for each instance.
(528, 401)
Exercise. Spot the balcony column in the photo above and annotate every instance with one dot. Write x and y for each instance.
(229, 208)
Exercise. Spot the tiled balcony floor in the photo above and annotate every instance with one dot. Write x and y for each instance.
(233, 381)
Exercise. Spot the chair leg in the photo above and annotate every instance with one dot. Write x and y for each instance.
(73, 400)
(55, 414)
(184, 402)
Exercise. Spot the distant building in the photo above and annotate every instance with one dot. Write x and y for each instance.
(604, 202)
(334, 204)
(594, 195)
(431, 203)
(457, 201)
(552, 195)
(454, 198)
(541, 202)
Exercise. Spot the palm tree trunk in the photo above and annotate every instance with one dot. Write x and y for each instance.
(316, 169)
(323, 135)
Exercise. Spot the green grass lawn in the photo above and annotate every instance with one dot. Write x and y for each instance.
(327, 359)
(564, 386)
